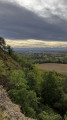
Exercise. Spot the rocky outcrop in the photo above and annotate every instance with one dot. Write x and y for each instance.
(8, 110)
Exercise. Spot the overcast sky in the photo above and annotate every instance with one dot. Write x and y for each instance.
(33, 19)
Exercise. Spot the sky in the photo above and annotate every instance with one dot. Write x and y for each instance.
(36, 43)
(36, 23)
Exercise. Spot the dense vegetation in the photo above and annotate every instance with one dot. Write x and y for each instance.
(40, 94)
(46, 57)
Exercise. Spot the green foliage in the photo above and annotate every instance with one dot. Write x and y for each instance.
(65, 117)
(61, 105)
(30, 112)
(64, 84)
(50, 90)
(2, 42)
(10, 50)
(32, 81)
(26, 99)
(32, 99)
(17, 78)
(3, 68)
(33, 89)
(45, 57)
(23, 62)
(65, 59)
(45, 116)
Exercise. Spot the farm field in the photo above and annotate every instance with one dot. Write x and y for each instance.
(62, 68)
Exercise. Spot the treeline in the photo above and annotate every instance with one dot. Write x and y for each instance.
(46, 58)
(40, 94)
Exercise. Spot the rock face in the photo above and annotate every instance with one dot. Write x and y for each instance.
(8, 110)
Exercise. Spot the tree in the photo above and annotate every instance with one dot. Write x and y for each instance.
(50, 89)
(17, 78)
(32, 81)
(2, 42)
(10, 50)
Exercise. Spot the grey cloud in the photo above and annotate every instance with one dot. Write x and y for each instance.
(18, 23)
(40, 7)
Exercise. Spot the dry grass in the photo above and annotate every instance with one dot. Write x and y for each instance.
(62, 68)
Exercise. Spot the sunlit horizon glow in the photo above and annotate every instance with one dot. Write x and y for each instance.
(35, 43)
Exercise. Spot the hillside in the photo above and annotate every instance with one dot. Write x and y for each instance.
(41, 95)
(8, 61)
(8, 110)
(6, 64)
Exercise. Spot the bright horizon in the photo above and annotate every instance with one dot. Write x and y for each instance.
(30, 43)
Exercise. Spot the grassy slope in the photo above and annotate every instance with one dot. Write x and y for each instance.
(8, 61)
(6, 64)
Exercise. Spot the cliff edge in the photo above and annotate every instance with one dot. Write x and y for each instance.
(9, 110)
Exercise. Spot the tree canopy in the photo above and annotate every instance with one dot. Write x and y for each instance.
(2, 42)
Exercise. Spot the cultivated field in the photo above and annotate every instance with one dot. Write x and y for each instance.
(62, 68)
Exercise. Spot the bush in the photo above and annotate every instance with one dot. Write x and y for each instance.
(45, 116)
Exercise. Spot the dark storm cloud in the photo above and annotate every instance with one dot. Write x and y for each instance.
(18, 23)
